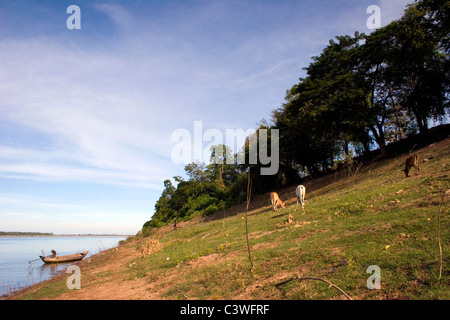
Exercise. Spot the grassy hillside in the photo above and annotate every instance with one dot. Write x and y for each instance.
(377, 217)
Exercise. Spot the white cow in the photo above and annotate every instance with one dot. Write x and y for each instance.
(300, 192)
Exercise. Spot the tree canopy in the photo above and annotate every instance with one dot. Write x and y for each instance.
(361, 93)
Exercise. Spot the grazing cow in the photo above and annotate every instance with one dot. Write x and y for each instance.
(411, 161)
(300, 193)
(275, 200)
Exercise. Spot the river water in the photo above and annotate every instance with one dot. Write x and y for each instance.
(16, 270)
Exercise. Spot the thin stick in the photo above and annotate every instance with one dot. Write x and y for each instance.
(249, 186)
(318, 279)
(439, 234)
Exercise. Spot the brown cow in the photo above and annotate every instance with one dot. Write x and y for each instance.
(411, 161)
(275, 200)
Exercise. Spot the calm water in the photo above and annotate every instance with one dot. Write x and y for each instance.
(15, 253)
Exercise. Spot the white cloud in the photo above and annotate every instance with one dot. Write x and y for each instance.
(91, 120)
(109, 114)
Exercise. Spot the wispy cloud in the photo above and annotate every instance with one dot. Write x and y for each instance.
(92, 121)
(97, 106)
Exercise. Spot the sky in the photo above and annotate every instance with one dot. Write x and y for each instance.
(87, 115)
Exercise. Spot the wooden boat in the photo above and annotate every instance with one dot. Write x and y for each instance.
(66, 258)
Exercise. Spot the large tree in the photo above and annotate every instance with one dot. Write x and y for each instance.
(306, 138)
(333, 103)
(418, 60)
(341, 93)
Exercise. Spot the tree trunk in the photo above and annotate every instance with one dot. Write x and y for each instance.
(379, 138)
(346, 149)
(366, 147)
(220, 172)
(422, 122)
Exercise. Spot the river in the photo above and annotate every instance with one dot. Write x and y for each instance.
(16, 270)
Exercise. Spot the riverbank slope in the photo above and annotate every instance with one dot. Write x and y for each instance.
(373, 217)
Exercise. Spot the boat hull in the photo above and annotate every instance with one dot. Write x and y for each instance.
(66, 258)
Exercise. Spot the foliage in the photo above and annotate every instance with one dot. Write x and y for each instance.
(25, 234)
(361, 91)
(209, 189)
(369, 88)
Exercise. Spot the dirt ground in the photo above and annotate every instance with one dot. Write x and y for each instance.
(100, 279)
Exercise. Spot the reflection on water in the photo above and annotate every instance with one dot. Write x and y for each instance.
(46, 271)
(35, 272)
(50, 270)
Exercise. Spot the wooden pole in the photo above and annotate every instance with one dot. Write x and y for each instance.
(249, 190)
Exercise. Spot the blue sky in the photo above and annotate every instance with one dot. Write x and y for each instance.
(86, 116)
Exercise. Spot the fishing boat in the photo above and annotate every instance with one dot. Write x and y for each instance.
(66, 258)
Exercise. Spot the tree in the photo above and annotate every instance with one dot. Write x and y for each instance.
(304, 137)
(222, 162)
(332, 105)
(419, 62)
(341, 93)
(381, 90)
(437, 15)
(163, 210)
(197, 171)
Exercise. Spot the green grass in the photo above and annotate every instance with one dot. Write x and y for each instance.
(377, 218)
(50, 290)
